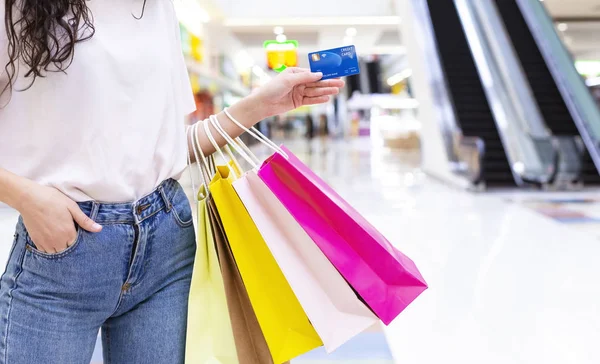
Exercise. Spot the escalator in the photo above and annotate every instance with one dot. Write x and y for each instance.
(471, 106)
(554, 110)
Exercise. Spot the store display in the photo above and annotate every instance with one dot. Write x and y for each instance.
(281, 54)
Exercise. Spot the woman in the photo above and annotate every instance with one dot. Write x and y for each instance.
(91, 142)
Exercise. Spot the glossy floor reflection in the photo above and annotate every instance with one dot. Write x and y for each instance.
(507, 283)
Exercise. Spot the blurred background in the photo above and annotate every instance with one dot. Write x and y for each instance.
(471, 139)
(488, 94)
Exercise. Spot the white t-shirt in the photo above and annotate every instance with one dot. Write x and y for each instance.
(112, 128)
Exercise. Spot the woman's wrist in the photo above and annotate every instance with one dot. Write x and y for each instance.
(14, 189)
(249, 111)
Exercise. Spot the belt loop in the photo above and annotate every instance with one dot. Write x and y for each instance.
(95, 208)
(164, 197)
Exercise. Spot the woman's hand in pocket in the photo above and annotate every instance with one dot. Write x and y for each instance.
(50, 218)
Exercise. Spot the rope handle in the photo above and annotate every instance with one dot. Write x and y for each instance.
(256, 134)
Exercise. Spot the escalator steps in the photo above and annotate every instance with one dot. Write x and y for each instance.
(549, 99)
(471, 106)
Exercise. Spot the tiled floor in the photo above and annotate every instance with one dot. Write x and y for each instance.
(507, 284)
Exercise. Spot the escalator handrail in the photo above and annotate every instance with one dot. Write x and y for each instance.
(477, 146)
(529, 116)
(526, 164)
(577, 97)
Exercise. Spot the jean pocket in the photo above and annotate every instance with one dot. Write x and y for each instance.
(30, 246)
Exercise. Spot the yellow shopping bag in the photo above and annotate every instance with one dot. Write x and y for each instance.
(209, 331)
(285, 326)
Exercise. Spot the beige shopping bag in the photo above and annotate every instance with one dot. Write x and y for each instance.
(209, 331)
(250, 342)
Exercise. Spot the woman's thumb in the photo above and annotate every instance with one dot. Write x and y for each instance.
(84, 221)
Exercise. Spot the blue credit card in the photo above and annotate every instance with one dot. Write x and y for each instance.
(337, 62)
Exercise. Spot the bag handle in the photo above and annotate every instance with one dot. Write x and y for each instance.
(216, 146)
(238, 141)
(247, 150)
(232, 143)
(203, 165)
(189, 160)
(256, 134)
(198, 149)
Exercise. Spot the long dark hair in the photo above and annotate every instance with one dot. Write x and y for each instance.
(42, 35)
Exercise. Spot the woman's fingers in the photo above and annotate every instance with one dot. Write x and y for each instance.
(315, 100)
(300, 77)
(321, 91)
(335, 82)
(83, 220)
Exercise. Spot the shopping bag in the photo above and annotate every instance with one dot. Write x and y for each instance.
(333, 308)
(387, 280)
(284, 323)
(250, 342)
(209, 332)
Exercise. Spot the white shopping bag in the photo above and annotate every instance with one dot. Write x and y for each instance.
(333, 308)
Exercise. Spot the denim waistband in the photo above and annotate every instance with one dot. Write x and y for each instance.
(133, 212)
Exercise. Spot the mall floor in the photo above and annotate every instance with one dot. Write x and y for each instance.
(514, 277)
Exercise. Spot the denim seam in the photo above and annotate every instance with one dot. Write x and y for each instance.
(12, 251)
(178, 220)
(106, 332)
(119, 302)
(122, 294)
(10, 299)
(116, 222)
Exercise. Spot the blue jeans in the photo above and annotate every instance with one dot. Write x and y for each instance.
(131, 280)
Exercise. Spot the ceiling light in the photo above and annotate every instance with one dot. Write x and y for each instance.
(281, 38)
(278, 30)
(563, 27)
(351, 32)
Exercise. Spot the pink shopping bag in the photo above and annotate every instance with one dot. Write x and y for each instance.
(387, 280)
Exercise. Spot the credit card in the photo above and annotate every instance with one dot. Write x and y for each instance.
(337, 62)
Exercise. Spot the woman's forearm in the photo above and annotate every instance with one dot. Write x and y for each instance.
(13, 188)
(291, 89)
(248, 111)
